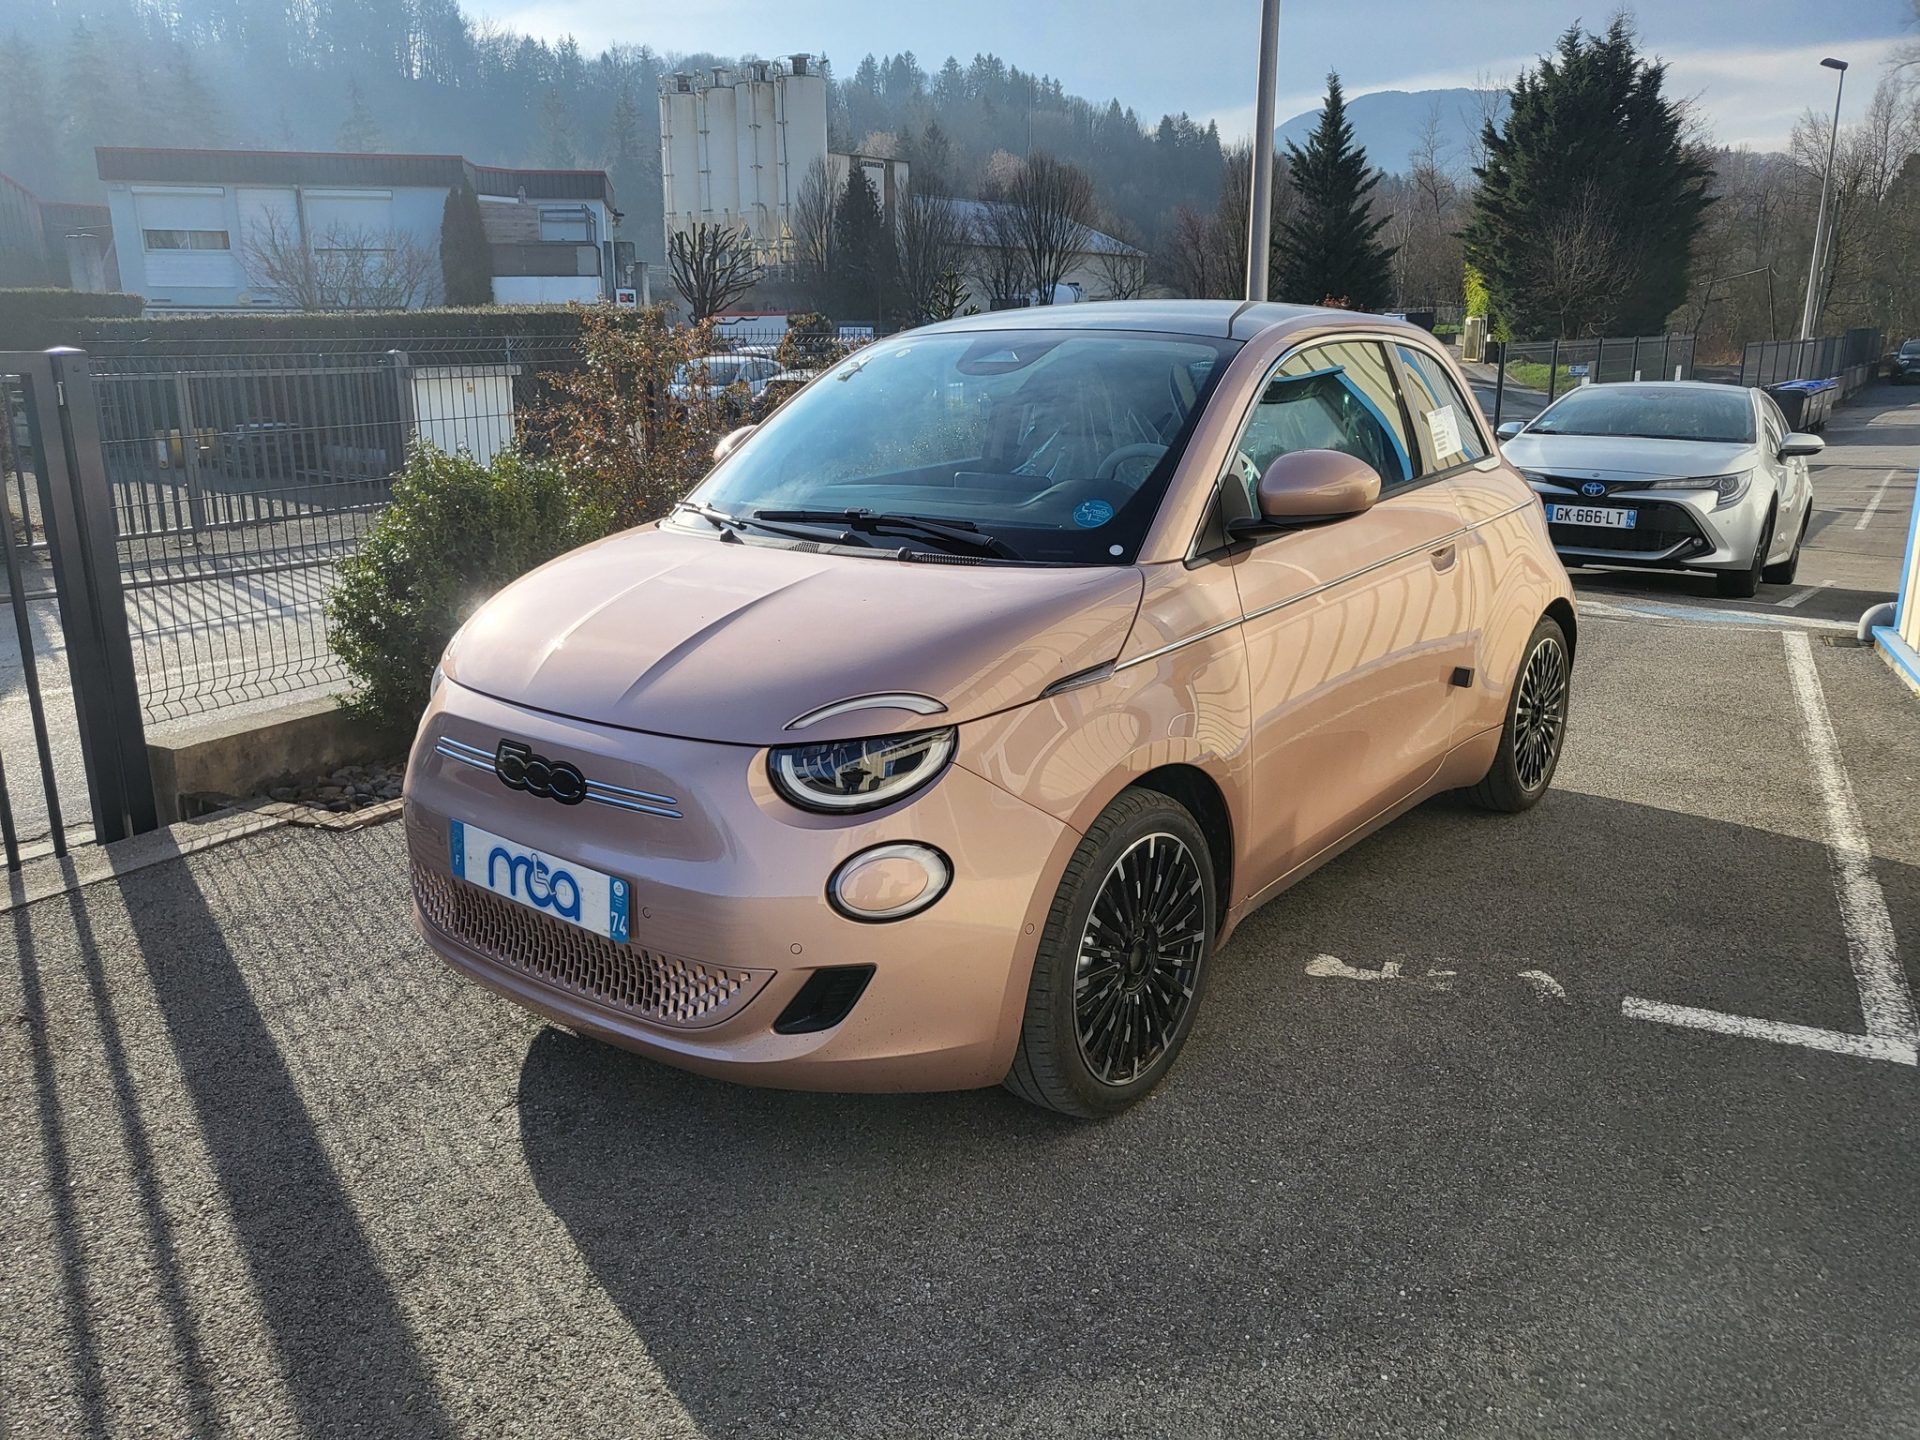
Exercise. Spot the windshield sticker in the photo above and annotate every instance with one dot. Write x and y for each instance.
(1092, 514)
(1445, 430)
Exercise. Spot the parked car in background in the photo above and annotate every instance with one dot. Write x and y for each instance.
(715, 374)
(941, 736)
(1903, 366)
(1673, 475)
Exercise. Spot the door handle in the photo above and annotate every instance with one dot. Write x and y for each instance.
(1444, 557)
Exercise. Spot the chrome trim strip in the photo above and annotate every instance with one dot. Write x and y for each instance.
(598, 791)
(1092, 675)
(890, 700)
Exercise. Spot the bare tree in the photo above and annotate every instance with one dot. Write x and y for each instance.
(346, 268)
(812, 229)
(713, 266)
(1427, 215)
(1051, 203)
(1580, 264)
(996, 259)
(1120, 268)
(931, 238)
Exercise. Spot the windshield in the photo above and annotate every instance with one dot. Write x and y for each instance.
(1911, 347)
(1650, 412)
(1057, 443)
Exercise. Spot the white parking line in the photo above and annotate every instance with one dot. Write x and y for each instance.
(1879, 494)
(1802, 595)
(1886, 1002)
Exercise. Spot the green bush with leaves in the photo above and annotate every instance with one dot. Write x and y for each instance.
(456, 532)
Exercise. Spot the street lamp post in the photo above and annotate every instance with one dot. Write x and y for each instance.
(1808, 317)
(1260, 196)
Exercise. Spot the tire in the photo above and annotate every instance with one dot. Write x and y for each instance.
(1743, 584)
(1157, 985)
(1536, 727)
(1783, 573)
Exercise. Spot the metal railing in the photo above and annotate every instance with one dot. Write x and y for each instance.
(1850, 358)
(240, 478)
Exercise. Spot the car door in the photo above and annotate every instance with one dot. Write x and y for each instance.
(1353, 628)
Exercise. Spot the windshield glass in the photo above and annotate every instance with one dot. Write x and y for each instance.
(1057, 443)
(1651, 412)
(1911, 347)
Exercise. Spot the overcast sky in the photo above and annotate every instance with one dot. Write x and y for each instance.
(1752, 64)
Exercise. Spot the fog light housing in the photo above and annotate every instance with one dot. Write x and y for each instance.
(889, 882)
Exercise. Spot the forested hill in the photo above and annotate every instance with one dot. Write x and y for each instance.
(420, 75)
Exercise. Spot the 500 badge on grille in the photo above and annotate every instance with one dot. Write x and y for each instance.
(540, 881)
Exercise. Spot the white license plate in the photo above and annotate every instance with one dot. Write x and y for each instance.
(540, 881)
(1604, 516)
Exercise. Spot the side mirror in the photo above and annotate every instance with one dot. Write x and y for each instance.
(1510, 428)
(730, 442)
(1304, 487)
(1801, 443)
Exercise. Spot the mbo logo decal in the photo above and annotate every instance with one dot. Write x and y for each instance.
(547, 887)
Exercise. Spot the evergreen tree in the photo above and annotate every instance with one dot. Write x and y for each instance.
(861, 251)
(1589, 201)
(1328, 249)
(466, 264)
(558, 147)
(26, 133)
(360, 131)
(634, 164)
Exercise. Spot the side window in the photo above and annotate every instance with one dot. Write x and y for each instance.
(1442, 410)
(1338, 396)
(1776, 422)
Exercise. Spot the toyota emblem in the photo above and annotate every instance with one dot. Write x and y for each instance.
(1593, 487)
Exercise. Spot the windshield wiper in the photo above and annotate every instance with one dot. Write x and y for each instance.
(962, 536)
(731, 526)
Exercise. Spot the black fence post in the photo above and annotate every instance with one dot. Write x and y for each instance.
(1633, 366)
(1553, 373)
(84, 546)
(1499, 386)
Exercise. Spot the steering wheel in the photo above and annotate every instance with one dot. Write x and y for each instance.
(1111, 465)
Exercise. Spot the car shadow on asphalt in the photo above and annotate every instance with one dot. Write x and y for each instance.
(1496, 1197)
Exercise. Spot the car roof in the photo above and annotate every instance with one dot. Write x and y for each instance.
(1663, 387)
(1215, 319)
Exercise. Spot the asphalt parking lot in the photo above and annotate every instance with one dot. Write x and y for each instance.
(1598, 1120)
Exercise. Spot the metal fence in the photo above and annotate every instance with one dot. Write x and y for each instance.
(1556, 365)
(240, 477)
(1850, 358)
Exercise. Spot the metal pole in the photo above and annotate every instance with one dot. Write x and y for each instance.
(1260, 206)
(1499, 387)
(1553, 373)
(1807, 315)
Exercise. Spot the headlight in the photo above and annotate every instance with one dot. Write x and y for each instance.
(1726, 488)
(843, 776)
(1538, 480)
(439, 679)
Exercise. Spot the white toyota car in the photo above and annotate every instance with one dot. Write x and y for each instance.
(1672, 475)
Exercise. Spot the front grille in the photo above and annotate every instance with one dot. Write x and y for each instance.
(624, 980)
(1660, 527)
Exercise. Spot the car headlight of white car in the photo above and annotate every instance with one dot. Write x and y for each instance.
(1726, 488)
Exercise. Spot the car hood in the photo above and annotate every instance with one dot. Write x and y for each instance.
(681, 635)
(1604, 457)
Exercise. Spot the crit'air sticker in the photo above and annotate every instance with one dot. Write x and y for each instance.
(1445, 430)
(1092, 514)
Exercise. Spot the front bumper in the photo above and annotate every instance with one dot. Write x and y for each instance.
(1676, 529)
(728, 912)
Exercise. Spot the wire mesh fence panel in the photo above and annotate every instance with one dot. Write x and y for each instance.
(241, 478)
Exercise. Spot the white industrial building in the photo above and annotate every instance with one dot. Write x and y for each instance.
(736, 143)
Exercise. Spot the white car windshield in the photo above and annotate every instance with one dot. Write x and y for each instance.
(717, 370)
(1651, 412)
(1057, 444)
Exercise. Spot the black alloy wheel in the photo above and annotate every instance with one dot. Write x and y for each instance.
(1140, 954)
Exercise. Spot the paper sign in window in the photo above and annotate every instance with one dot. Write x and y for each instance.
(1445, 430)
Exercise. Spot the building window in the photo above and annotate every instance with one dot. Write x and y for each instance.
(571, 225)
(187, 239)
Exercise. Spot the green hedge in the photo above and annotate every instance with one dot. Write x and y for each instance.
(43, 317)
(380, 328)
